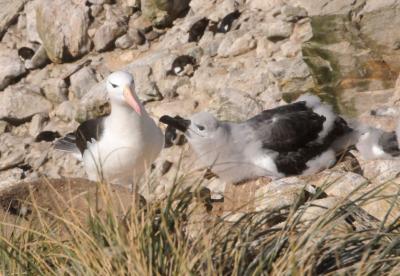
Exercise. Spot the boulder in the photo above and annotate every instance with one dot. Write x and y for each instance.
(278, 30)
(63, 27)
(8, 13)
(68, 111)
(340, 184)
(263, 194)
(234, 47)
(37, 124)
(328, 7)
(145, 86)
(292, 75)
(11, 67)
(31, 29)
(55, 90)
(351, 60)
(163, 12)
(19, 103)
(106, 35)
(10, 177)
(93, 102)
(372, 19)
(81, 82)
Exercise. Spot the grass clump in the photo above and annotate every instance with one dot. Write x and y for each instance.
(180, 235)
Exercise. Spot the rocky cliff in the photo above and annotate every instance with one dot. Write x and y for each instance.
(231, 57)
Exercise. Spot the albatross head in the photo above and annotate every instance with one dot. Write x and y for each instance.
(204, 132)
(121, 90)
(201, 127)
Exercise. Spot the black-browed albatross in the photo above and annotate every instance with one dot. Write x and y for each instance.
(298, 138)
(119, 147)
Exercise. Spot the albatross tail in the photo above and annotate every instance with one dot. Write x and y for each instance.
(68, 144)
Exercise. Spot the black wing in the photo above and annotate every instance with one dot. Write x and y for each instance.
(287, 128)
(89, 130)
(389, 144)
(295, 162)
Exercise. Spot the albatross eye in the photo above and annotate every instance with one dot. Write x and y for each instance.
(113, 85)
(200, 127)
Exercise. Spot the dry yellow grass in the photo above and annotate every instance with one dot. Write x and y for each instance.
(59, 229)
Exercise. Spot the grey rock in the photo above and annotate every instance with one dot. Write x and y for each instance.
(3, 127)
(312, 211)
(67, 111)
(8, 13)
(81, 82)
(278, 30)
(140, 23)
(379, 171)
(20, 130)
(290, 48)
(37, 124)
(136, 36)
(95, 10)
(264, 5)
(145, 86)
(328, 7)
(293, 14)
(372, 19)
(11, 67)
(280, 193)
(63, 27)
(61, 164)
(124, 42)
(21, 24)
(302, 31)
(339, 183)
(99, 2)
(62, 127)
(291, 74)
(10, 177)
(163, 12)
(217, 188)
(106, 35)
(210, 43)
(55, 90)
(31, 29)
(222, 9)
(263, 194)
(152, 35)
(93, 101)
(130, 3)
(342, 55)
(235, 47)
(199, 6)
(9, 142)
(11, 159)
(38, 155)
(19, 103)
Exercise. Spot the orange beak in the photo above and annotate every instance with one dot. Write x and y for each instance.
(131, 100)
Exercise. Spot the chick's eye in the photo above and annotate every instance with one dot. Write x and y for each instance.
(113, 85)
(200, 127)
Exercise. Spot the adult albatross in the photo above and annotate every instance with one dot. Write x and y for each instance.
(117, 148)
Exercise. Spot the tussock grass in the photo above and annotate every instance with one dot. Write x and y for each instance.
(177, 236)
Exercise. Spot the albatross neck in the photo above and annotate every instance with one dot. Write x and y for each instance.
(119, 111)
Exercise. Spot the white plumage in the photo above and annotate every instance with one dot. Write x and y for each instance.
(120, 147)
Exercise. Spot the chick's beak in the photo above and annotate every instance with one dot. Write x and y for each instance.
(130, 99)
(178, 122)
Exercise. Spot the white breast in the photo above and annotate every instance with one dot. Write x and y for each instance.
(126, 149)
